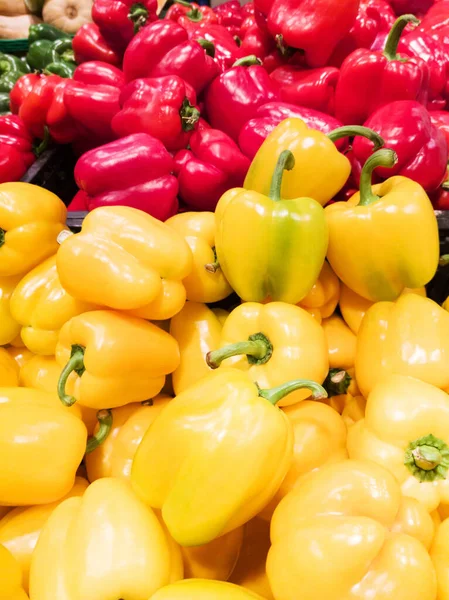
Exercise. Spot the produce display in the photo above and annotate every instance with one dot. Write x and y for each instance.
(229, 380)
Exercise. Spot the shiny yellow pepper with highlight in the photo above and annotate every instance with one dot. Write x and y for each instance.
(9, 370)
(323, 298)
(9, 328)
(204, 589)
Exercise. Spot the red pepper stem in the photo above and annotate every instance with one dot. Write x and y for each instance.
(105, 425)
(2, 236)
(76, 363)
(247, 61)
(138, 14)
(392, 43)
(183, 3)
(189, 115)
(354, 130)
(208, 46)
(257, 347)
(44, 143)
(286, 162)
(382, 158)
(195, 15)
(278, 393)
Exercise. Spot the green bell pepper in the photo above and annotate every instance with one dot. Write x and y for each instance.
(44, 31)
(4, 104)
(63, 69)
(10, 64)
(37, 54)
(8, 81)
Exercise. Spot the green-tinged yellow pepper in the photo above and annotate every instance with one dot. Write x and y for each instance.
(206, 282)
(41, 305)
(118, 359)
(198, 331)
(9, 370)
(323, 298)
(216, 455)
(267, 247)
(124, 258)
(341, 343)
(384, 238)
(274, 343)
(106, 544)
(10, 577)
(204, 589)
(9, 328)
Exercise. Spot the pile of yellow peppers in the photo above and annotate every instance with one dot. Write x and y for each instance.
(295, 446)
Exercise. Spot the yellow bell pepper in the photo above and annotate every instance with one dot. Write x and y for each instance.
(321, 170)
(216, 455)
(198, 331)
(414, 520)
(175, 562)
(10, 577)
(30, 220)
(206, 282)
(20, 355)
(332, 538)
(409, 337)
(394, 229)
(114, 457)
(9, 370)
(406, 430)
(105, 545)
(353, 410)
(341, 343)
(42, 306)
(324, 295)
(267, 247)
(41, 468)
(119, 359)
(273, 342)
(440, 557)
(204, 589)
(221, 315)
(20, 528)
(124, 258)
(9, 328)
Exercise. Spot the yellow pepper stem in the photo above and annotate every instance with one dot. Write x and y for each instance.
(105, 420)
(427, 458)
(391, 45)
(76, 363)
(357, 130)
(286, 162)
(2, 236)
(276, 394)
(382, 158)
(258, 350)
(337, 382)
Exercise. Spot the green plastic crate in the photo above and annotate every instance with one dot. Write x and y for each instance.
(14, 46)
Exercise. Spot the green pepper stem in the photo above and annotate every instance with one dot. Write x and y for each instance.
(194, 15)
(2, 236)
(443, 262)
(357, 130)
(278, 393)
(382, 158)
(337, 382)
(138, 14)
(183, 3)
(257, 347)
(286, 162)
(76, 363)
(427, 458)
(44, 143)
(214, 266)
(105, 421)
(189, 115)
(247, 61)
(392, 43)
(208, 47)
(282, 47)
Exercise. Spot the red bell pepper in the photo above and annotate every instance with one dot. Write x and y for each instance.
(182, 10)
(163, 48)
(440, 118)
(226, 49)
(369, 80)
(440, 198)
(228, 110)
(89, 44)
(416, 7)
(258, 42)
(79, 202)
(16, 148)
(421, 147)
(311, 88)
(268, 117)
(313, 26)
(231, 16)
(213, 165)
(120, 20)
(133, 171)
(21, 89)
(99, 73)
(162, 107)
(35, 106)
(436, 23)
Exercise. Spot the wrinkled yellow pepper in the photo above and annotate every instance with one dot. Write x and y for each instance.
(10, 577)
(9, 328)
(9, 370)
(323, 298)
(204, 589)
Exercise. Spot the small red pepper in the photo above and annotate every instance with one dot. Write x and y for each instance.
(213, 165)
(79, 202)
(16, 148)
(89, 44)
(440, 118)
(416, 7)
(95, 72)
(226, 49)
(440, 199)
(369, 80)
(120, 20)
(162, 107)
(34, 108)
(231, 16)
(21, 89)
(182, 10)
(133, 171)
(257, 41)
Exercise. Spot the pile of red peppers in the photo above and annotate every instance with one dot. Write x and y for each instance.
(169, 112)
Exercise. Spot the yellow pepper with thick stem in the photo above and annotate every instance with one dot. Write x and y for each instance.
(267, 247)
(384, 238)
(9, 328)
(204, 589)
(119, 359)
(323, 298)
(333, 537)
(216, 455)
(10, 577)
(106, 544)
(124, 258)
(408, 337)
(406, 430)
(206, 282)
(9, 370)
(30, 220)
(273, 342)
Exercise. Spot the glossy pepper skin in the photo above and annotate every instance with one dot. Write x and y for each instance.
(323, 298)
(213, 165)
(206, 282)
(120, 21)
(70, 550)
(391, 262)
(343, 518)
(226, 49)
(393, 334)
(163, 107)
(133, 171)
(252, 432)
(246, 219)
(257, 41)
(439, 553)
(436, 23)
(11, 577)
(204, 589)
(9, 373)
(181, 11)
(369, 80)
(118, 359)
(341, 343)
(9, 327)
(89, 44)
(440, 118)
(30, 217)
(53, 441)
(147, 259)
(97, 72)
(16, 148)
(21, 89)
(35, 105)
(11, 68)
(231, 15)
(45, 31)
(273, 343)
